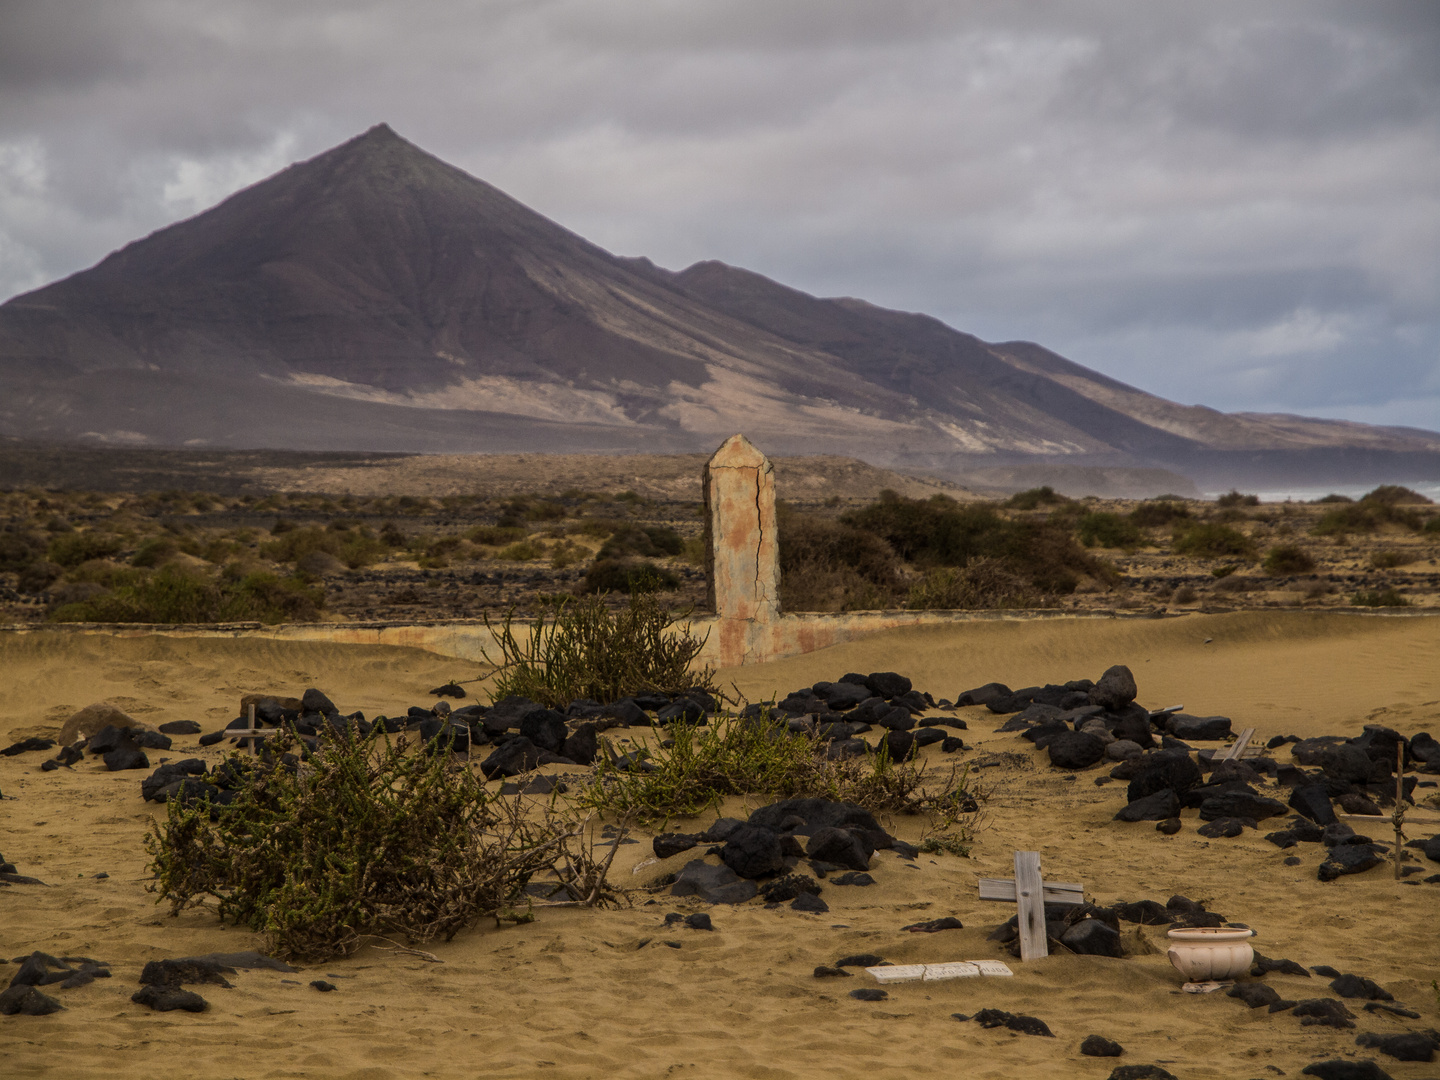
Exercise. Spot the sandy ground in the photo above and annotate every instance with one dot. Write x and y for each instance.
(582, 993)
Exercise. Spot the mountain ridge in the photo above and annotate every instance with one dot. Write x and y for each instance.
(377, 298)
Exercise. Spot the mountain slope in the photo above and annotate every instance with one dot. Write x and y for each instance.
(376, 298)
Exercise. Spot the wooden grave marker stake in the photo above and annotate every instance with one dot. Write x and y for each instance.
(1029, 891)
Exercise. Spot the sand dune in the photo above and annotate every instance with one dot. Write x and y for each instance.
(585, 993)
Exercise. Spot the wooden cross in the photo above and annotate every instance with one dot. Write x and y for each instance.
(1029, 891)
(1237, 749)
(251, 731)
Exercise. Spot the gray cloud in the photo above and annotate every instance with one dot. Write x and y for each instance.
(1230, 203)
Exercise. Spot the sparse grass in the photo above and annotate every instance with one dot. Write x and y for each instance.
(523, 551)
(1184, 595)
(1389, 560)
(1156, 512)
(579, 648)
(749, 757)
(648, 542)
(984, 584)
(948, 844)
(1379, 598)
(177, 595)
(364, 839)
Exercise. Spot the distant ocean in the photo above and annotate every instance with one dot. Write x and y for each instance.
(1429, 488)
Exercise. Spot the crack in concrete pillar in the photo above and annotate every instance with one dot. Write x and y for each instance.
(741, 551)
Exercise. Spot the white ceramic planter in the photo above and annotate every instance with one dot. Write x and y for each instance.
(1210, 953)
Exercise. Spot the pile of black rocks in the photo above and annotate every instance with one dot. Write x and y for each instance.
(761, 856)
(1082, 725)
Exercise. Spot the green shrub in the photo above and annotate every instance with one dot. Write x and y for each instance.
(1035, 497)
(1432, 525)
(579, 648)
(1102, 529)
(940, 532)
(1288, 559)
(153, 552)
(628, 576)
(177, 595)
(1209, 539)
(295, 543)
(19, 547)
(985, 583)
(1234, 498)
(73, 548)
(1382, 598)
(750, 757)
(1347, 518)
(1333, 498)
(649, 541)
(829, 566)
(1185, 594)
(364, 839)
(1220, 572)
(1394, 495)
(1157, 512)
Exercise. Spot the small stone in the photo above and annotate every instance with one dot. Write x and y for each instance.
(169, 999)
(1357, 986)
(323, 986)
(823, 972)
(1323, 1012)
(1224, 827)
(26, 1000)
(869, 994)
(1091, 937)
(1348, 859)
(1026, 1025)
(934, 926)
(1170, 826)
(667, 845)
(809, 902)
(1255, 995)
(1098, 1046)
(1339, 1069)
(699, 921)
(1141, 1072)
(1406, 1046)
(853, 877)
(181, 727)
(860, 960)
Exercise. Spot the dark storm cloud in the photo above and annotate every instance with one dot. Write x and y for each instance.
(1230, 202)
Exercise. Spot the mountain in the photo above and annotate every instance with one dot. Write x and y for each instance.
(375, 298)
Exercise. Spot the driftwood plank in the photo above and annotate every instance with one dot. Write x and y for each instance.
(1029, 893)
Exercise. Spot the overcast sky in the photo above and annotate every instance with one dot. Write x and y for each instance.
(1227, 203)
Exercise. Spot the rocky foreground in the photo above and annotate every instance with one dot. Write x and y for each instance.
(804, 853)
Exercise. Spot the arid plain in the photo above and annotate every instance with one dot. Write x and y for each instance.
(601, 993)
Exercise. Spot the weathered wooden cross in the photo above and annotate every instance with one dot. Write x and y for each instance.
(1029, 892)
